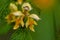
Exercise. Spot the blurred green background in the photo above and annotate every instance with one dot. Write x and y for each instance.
(48, 28)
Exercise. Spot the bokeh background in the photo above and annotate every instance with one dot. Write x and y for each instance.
(48, 28)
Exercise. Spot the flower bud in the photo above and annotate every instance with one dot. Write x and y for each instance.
(13, 7)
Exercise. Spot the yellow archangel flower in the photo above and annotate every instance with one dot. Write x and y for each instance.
(31, 22)
(18, 17)
(18, 22)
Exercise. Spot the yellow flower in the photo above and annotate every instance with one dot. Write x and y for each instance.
(12, 16)
(9, 18)
(14, 10)
(20, 15)
(30, 23)
(18, 22)
(16, 17)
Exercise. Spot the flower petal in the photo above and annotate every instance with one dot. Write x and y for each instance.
(17, 24)
(34, 16)
(9, 17)
(35, 23)
(32, 28)
(22, 23)
(27, 23)
(28, 5)
(31, 22)
(17, 13)
(16, 27)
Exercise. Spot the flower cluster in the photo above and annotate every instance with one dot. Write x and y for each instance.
(18, 16)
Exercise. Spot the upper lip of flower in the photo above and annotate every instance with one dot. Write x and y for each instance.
(28, 5)
(34, 16)
(18, 13)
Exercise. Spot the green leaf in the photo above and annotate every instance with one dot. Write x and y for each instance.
(5, 29)
(4, 10)
(21, 34)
